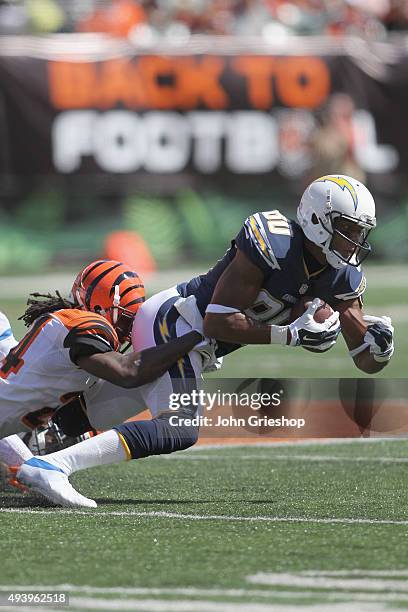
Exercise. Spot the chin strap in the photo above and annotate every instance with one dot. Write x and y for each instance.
(116, 302)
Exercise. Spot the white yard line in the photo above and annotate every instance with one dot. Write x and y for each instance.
(325, 582)
(357, 572)
(218, 592)
(154, 605)
(234, 593)
(290, 457)
(333, 602)
(340, 594)
(153, 591)
(203, 517)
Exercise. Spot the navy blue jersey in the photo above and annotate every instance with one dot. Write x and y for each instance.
(275, 245)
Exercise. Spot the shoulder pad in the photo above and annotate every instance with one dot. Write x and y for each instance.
(350, 284)
(83, 326)
(270, 232)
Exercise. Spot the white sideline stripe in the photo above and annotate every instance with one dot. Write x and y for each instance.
(356, 572)
(216, 592)
(208, 517)
(201, 606)
(155, 605)
(185, 591)
(291, 457)
(319, 582)
(212, 592)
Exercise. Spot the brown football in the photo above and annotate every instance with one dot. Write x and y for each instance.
(322, 313)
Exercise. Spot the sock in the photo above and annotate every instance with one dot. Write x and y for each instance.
(13, 451)
(103, 449)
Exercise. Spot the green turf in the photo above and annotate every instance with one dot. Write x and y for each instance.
(336, 481)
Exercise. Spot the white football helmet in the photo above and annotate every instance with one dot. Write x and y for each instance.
(330, 204)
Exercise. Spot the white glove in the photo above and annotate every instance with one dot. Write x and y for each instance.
(207, 349)
(305, 331)
(188, 309)
(379, 337)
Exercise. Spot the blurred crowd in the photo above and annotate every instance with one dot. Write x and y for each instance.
(148, 20)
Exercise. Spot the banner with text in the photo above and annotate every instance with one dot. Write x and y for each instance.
(86, 110)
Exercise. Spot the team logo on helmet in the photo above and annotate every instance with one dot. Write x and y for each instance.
(343, 184)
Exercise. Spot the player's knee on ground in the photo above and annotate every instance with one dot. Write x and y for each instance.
(157, 437)
(72, 419)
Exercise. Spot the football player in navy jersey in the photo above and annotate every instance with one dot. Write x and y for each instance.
(274, 260)
(246, 298)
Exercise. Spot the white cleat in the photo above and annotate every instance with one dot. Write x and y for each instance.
(51, 482)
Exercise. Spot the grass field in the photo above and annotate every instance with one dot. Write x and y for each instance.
(387, 293)
(322, 527)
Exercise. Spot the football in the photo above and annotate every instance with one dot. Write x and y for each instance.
(322, 313)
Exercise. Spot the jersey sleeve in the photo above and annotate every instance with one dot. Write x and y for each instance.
(350, 284)
(89, 335)
(260, 239)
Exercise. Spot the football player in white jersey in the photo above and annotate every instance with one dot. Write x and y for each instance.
(246, 299)
(73, 343)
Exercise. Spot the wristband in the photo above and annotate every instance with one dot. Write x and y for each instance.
(359, 349)
(219, 309)
(279, 334)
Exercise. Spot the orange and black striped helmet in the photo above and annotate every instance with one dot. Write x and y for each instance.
(109, 288)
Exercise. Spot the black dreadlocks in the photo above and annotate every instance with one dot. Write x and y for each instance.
(48, 303)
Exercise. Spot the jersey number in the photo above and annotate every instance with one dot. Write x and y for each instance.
(14, 360)
(267, 308)
(277, 223)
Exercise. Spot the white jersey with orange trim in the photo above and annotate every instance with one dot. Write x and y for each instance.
(40, 371)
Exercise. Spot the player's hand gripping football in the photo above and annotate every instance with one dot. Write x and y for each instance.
(307, 332)
(379, 337)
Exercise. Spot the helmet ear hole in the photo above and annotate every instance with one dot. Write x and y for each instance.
(315, 220)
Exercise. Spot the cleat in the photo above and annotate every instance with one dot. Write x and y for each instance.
(12, 472)
(8, 477)
(12, 481)
(51, 482)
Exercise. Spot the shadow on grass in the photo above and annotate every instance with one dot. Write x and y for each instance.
(10, 500)
(148, 502)
(178, 502)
